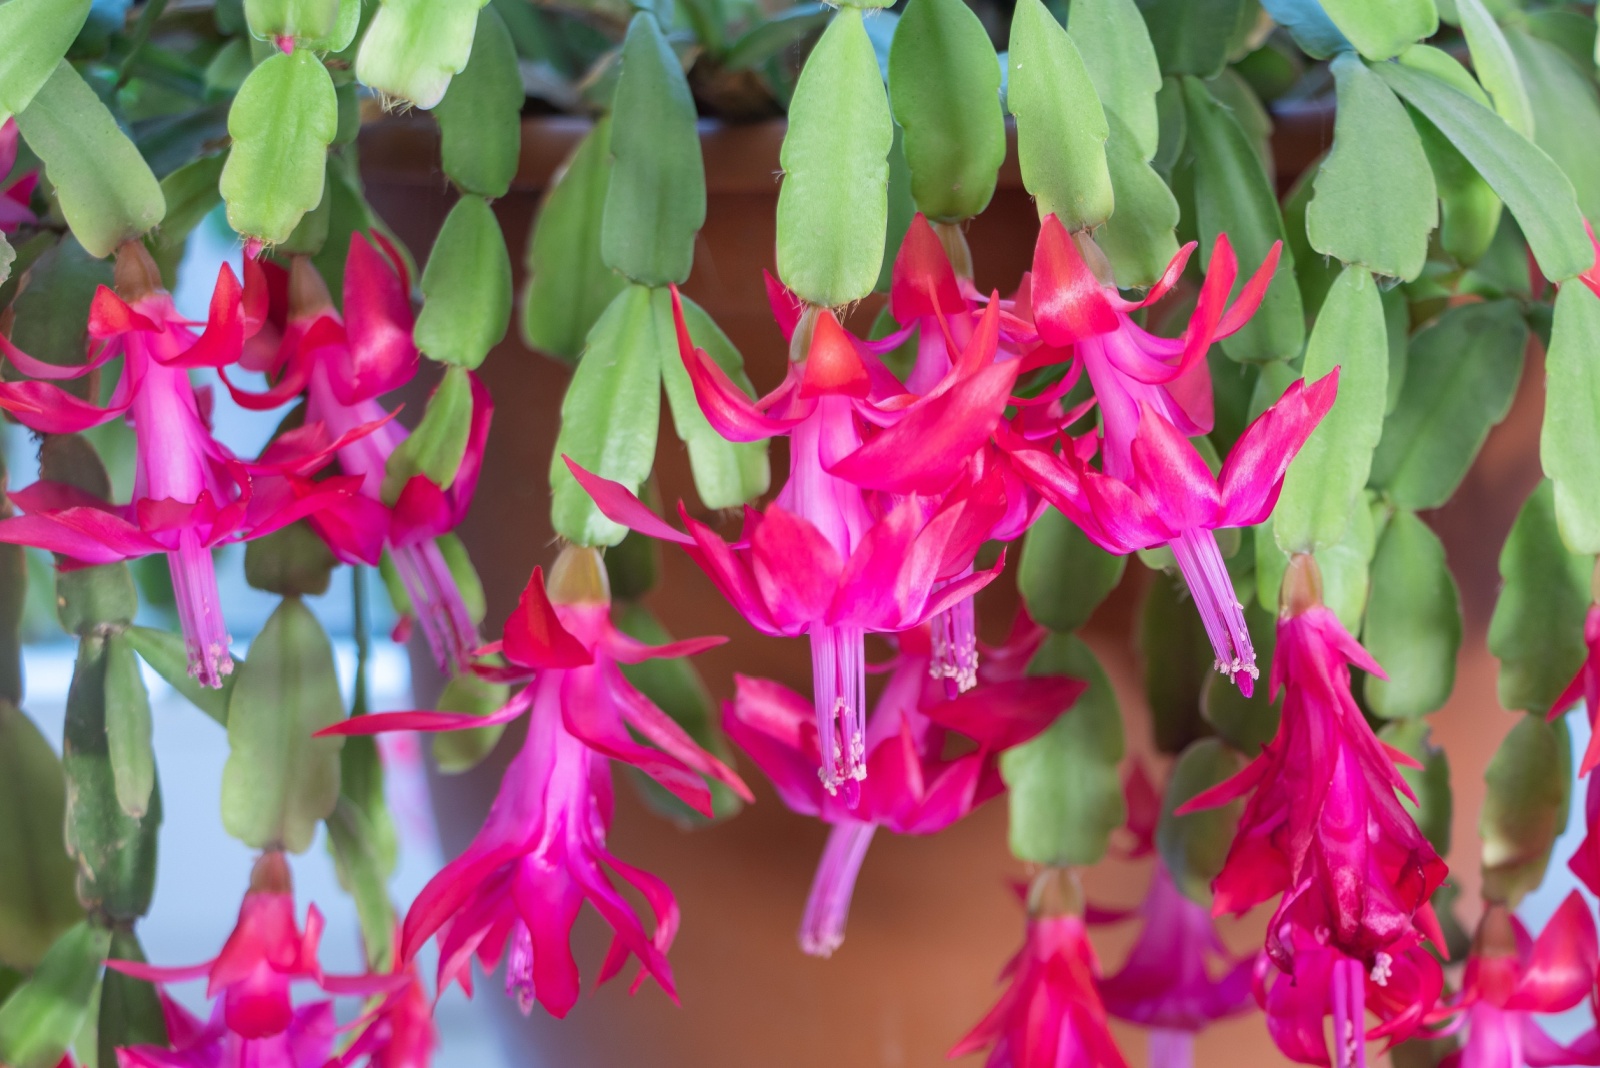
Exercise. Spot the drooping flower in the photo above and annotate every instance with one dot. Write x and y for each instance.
(1585, 687)
(255, 1017)
(912, 787)
(1511, 977)
(397, 1033)
(190, 493)
(1050, 1015)
(307, 1041)
(821, 561)
(1167, 983)
(14, 192)
(542, 851)
(1153, 487)
(343, 365)
(1325, 828)
(1585, 861)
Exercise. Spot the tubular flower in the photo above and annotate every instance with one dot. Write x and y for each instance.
(1324, 826)
(911, 787)
(190, 493)
(1050, 1015)
(398, 1033)
(1166, 983)
(14, 192)
(542, 851)
(1153, 488)
(264, 956)
(1585, 687)
(1510, 977)
(1585, 862)
(305, 1042)
(343, 365)
(820, 561)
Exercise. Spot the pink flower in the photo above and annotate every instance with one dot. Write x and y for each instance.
(343, 365)
(912, 787)
(306, 1042)
(1510, 977)
(398, 1033)
(824, 559)
(1585, 687)
(190, 493)
(1325, 828)
(1153, 488)
(266, 954)
(1585, 862)
(15, 192)
(542, 852)
(1166, 984)
(1050, 1015)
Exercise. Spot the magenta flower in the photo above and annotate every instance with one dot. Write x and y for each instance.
(266, 954)
(14, 192)
(822, 560)
(912, 787)
(398, 1033)
(190, 493)
(1153, 488)
(1585, 687)
(1510, 977)
(1050, 1015)
(1166, 985)
(1585, 861)
(542, 851)
(306, 1042)
(343, 365)
(1325, 828)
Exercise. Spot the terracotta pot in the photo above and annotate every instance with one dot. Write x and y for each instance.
(933, 920)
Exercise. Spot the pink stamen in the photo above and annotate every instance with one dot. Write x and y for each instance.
(194, 586)
(838, 668)
(519, 969)
(955, 647)
(828, 906)
(1220, 611)
(1349, 1014)
(437, 602)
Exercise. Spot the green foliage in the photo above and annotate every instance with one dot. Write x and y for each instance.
(1529, 786)
(1064, 791)
(480, 116)
(40, 1019)
(656, 199)
(1064, 576)
(1382, 29)
(105, 188)
(466, 287)
(1326, 478)
(1061, 127)
(282, 121)
(1413, 626)
(1194, 846)
(1569, 442)
(413, 48)
(833, 203)
(1537, 627)
(36, 875)
(1375, 201)
(944, 83)
(37, 34)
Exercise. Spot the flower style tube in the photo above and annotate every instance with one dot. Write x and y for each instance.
(344, 365)
(911, 786)
(190, 493)
(517, 889)
(1050, 1015)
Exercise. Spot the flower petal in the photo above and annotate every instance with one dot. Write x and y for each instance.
(1069, 303)
(534, 635)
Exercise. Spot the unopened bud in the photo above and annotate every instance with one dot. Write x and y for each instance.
(1302, 586)
(135, 274)
(578, 577)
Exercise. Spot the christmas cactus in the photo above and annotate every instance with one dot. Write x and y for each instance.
(1264, 372)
